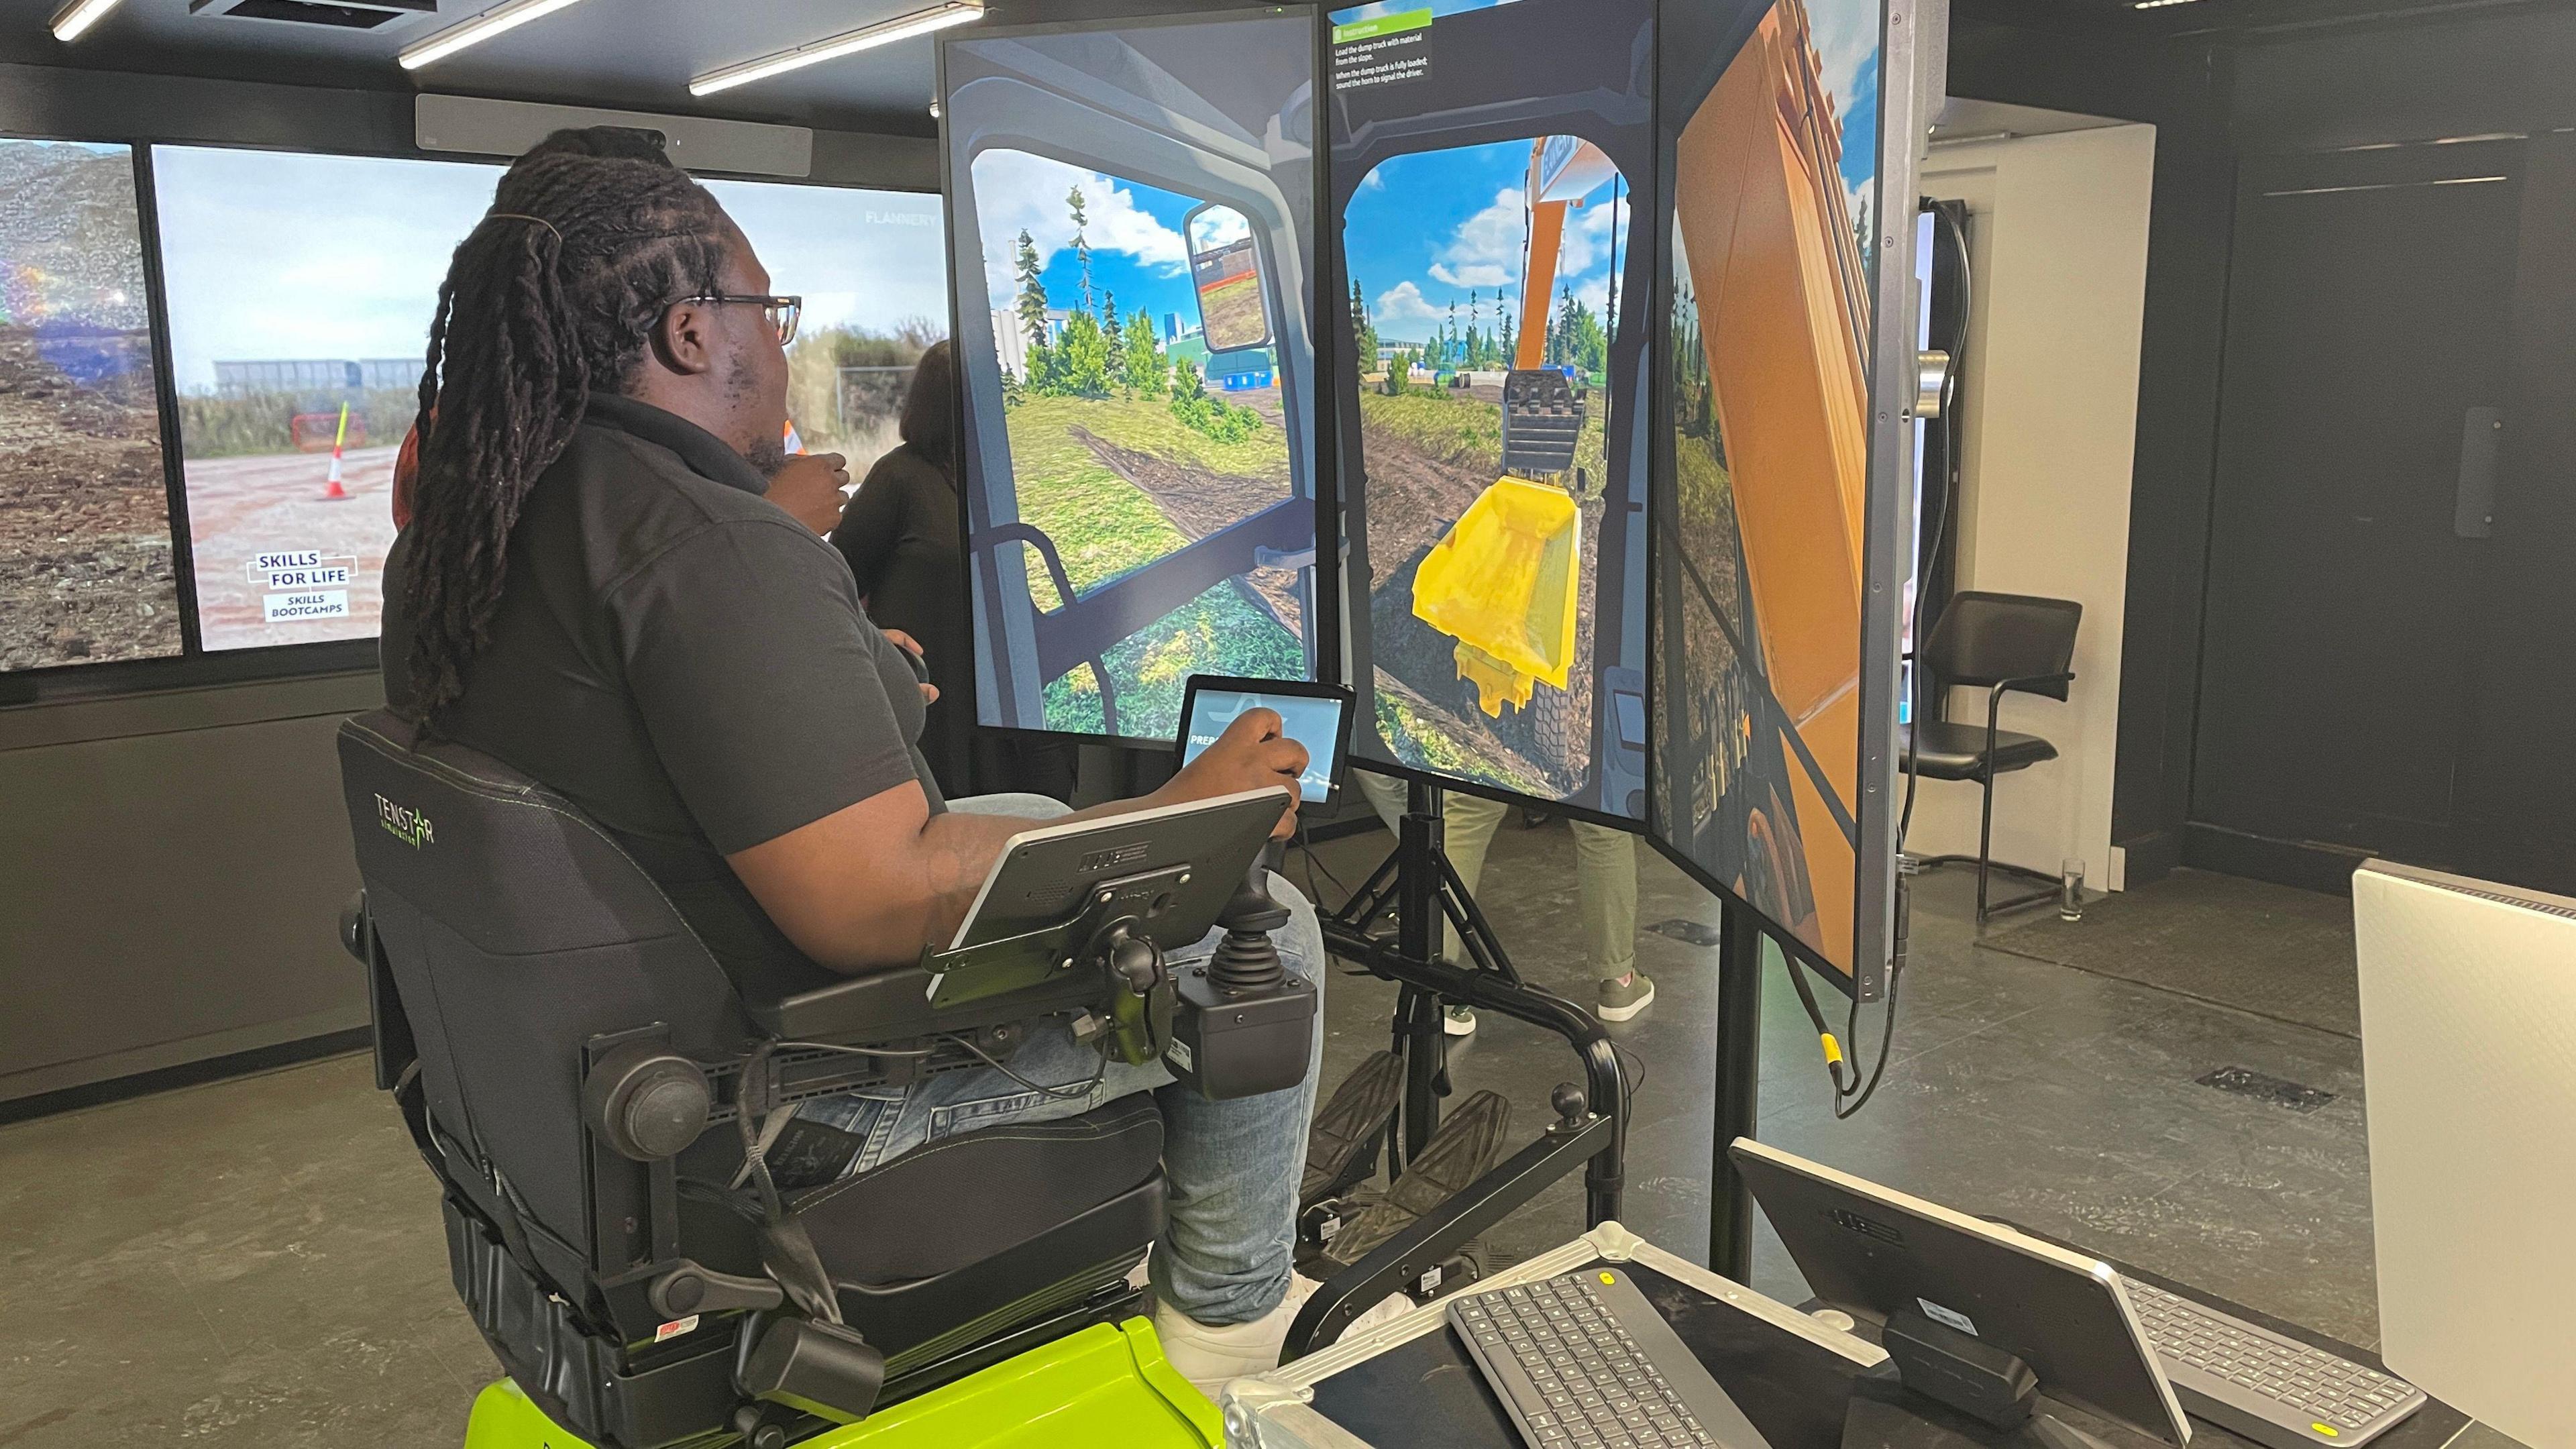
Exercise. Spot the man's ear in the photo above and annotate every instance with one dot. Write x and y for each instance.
(682, 340)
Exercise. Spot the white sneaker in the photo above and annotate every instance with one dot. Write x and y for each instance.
(1212, 1357)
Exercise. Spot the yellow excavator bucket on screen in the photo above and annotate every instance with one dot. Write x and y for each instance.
(1502, 583)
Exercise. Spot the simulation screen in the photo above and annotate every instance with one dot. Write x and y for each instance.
(1133, 208)
(1495, 473)
(1758, 651)
(300, 290)
(86, 573)
(1313, 722)
(300, 294)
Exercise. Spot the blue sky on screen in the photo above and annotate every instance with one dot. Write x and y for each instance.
(1137, 250)
(275, 255)
(1438, 227)
(272, 255)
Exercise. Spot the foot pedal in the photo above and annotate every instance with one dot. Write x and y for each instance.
(1341, 1148)
(1465, 1148)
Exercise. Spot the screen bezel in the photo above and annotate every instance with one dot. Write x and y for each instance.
(1326, 629)
(1341, 694)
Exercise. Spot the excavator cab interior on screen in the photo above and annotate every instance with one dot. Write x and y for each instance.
(1494, 449)
(1140, 480)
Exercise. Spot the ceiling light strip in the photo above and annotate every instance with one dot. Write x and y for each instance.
(500, 19)
(902, 27)
(80, 15)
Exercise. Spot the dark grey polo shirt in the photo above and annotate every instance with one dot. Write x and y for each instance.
(685, 662)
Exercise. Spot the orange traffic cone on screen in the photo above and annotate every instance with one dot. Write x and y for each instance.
(332, 492)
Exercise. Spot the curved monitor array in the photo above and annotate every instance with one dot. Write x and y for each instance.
(296, 291)
(1573, 301)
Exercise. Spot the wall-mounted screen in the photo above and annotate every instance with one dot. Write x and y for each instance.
(86, 573)
(300, 294)
(300, 290)
(1767, 571)
(1133, 213)
(1486, 155)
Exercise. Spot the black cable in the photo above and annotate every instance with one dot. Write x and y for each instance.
(1061, 1094)
(1886, 1045)
(852, 1051)
(1958, 237)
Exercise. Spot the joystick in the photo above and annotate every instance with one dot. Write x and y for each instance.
(1242, 1025)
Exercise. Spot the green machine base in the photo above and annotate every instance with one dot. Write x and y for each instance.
(1102, 1388)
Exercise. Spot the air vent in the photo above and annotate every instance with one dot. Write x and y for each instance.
(339, 14)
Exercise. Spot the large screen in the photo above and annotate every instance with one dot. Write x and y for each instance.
(1486, 154)
(300, 295)
(300, 290)
(1131, 235)
(1769, 586)
(85, 562)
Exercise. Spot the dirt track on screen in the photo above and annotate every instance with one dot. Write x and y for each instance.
(240, 508)
(85, 569)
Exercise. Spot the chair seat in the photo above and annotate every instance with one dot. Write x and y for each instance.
(1947, 751)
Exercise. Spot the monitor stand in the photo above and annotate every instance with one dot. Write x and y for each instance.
(1885, 1414)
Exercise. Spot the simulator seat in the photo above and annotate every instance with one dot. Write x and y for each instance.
(575, 1068)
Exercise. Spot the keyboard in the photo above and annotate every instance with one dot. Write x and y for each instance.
(1583, 1361)
(2274, 1390)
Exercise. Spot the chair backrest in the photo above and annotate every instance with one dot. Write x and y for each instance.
(1983, 639)
(516, 931)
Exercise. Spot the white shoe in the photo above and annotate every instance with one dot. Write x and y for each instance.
(1210, 1358)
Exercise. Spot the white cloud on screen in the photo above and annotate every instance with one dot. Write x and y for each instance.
(277, 256)
(1218, 226)
(1015, 192)
(1403, 305)
(1471, 274)
(1846, 35)
(1494, 236)
(873, 260)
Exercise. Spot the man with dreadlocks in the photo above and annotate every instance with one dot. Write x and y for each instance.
(593, 588)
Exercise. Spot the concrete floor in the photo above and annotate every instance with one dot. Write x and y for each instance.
(259, 1262)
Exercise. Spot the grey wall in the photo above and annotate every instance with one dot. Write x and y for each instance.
(172, 867)
(174, 857)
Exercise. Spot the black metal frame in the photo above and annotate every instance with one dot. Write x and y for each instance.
(1419, 885)
(1984, 860)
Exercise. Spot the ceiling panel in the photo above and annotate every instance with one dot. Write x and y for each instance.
(635, 54)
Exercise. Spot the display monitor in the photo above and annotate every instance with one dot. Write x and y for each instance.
(1780, 566)
(86, 574)
(300, 293)
(1132, 221)
(1317, 716)
(1487, 157)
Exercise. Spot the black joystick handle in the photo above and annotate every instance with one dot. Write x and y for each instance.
(1247, 960)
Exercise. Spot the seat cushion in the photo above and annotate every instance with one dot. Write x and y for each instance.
(966, 1198)
(1946, 751)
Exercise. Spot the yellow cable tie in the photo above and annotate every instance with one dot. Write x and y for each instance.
(1833, 1050)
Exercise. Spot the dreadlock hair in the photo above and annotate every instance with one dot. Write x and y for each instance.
(553, 295)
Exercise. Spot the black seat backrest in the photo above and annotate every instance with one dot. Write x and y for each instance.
(1984, 639)
(516, 931)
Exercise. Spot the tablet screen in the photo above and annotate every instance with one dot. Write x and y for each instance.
(1312, 721)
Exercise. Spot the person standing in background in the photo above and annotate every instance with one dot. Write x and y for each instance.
(901, 534)
(1605, 884)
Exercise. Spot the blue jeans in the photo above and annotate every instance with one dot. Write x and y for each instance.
(1231, 1168)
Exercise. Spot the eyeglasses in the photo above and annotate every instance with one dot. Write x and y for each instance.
(783, 311)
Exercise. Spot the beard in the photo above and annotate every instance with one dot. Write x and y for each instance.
(767, 450)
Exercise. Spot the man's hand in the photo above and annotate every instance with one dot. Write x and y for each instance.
(912, 646)
(809, 488)
(1254, 753)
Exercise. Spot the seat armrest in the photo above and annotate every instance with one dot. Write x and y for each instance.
(895, 1005)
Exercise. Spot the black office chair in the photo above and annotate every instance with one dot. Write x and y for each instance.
(2002, 644)
(574, 1066)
